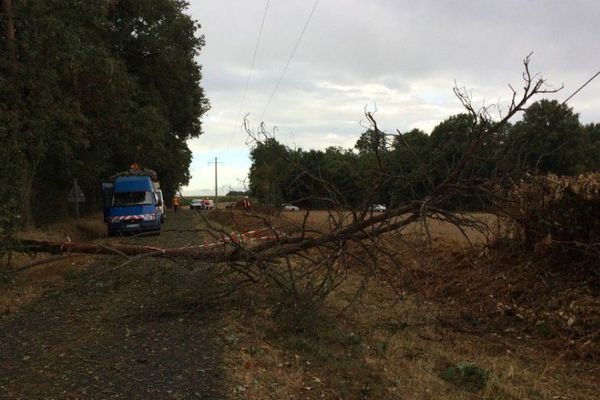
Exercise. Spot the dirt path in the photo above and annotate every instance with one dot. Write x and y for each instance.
(138, 332)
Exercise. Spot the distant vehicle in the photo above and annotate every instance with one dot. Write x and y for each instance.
(202, 204)
(132, 202)
(196, 204)
(208, 204)
(377, 208)
(289, 207)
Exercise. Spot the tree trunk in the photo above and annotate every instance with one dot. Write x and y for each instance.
(9, 29)
(26, 195)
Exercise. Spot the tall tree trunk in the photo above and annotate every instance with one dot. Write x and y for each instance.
(27, 176)
(27, 194)
(9, 29)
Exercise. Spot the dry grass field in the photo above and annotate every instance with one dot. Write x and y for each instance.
(439, 230)
(454, 322)
(451, 321)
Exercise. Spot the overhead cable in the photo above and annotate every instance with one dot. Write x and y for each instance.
(262, 24)
(289, 59)
(581, 87)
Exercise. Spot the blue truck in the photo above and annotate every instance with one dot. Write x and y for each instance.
(133, 202)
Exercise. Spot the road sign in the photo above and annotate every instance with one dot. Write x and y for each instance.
(76, 195)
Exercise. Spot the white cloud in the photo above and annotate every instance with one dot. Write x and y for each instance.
(401, 56)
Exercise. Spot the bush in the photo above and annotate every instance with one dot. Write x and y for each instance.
(557, 213)
(469, 376)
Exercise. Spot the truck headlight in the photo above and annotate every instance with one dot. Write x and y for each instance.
(149, 217)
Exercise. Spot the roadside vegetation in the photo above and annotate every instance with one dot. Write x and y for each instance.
(86, 89)
(549, 139)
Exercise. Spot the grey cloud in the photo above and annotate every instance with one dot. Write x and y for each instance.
(398, 55)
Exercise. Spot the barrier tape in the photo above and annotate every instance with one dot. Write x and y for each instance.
(248, 236)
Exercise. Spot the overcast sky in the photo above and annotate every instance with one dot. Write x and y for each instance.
(398, 57)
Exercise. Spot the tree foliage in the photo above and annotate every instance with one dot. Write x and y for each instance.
(548, 139)
(392, 169)
(86, 88)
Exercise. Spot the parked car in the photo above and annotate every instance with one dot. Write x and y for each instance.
(377, 208)
(289, 207)
(202, 204)
(196, 204)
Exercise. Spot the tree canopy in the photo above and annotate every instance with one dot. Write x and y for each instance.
(391, 169)
(87, 88)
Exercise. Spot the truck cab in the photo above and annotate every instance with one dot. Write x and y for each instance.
(131, 204)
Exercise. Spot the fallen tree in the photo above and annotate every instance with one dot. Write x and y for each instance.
(307, 262)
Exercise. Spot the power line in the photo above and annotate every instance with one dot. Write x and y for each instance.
(260, 31)
(258, 40)
(581, 87)
(290, 59)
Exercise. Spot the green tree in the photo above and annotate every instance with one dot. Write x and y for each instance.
(410, 163)
(372, 141)
(548, 139)
(89, 87)
(159, 44)
(449, 142)
(590, 147)
(342, 169)
(270, 171)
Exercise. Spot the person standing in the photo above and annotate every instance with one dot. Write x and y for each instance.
(175, 203)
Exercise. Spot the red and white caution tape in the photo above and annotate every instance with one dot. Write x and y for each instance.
(243, 238)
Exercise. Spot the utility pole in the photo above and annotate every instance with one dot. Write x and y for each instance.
(216, 187)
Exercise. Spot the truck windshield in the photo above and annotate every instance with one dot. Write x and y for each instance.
(132, 199)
